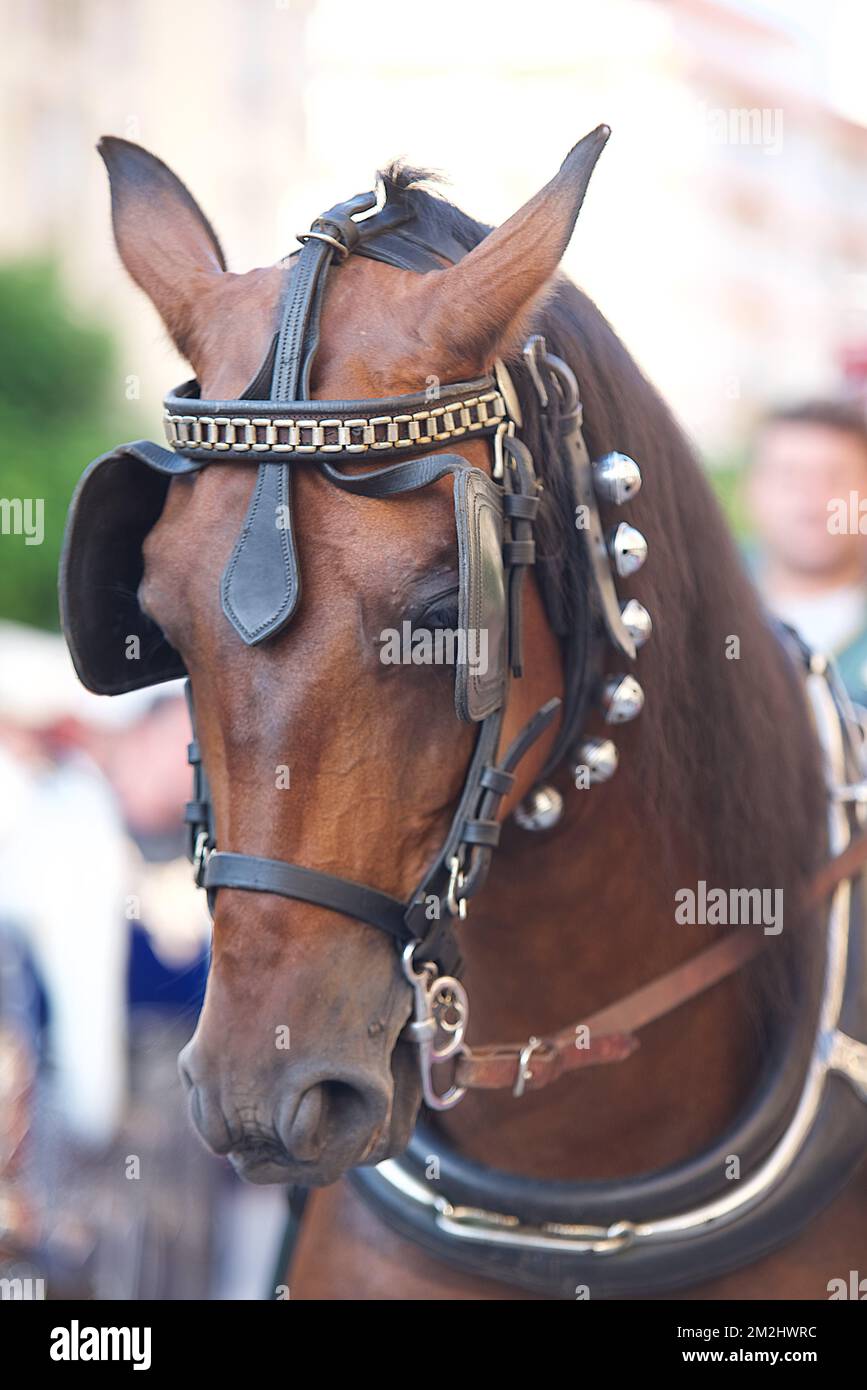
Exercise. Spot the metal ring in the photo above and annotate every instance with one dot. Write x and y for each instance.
(323, 236)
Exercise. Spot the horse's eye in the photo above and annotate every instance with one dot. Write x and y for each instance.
(442, 612)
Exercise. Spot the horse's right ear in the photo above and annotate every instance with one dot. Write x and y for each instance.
(164, 239)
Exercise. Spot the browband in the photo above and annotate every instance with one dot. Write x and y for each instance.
(301, 430)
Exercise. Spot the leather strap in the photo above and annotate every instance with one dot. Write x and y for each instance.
(398, 478)
(261, 584)
(310, 268)
(254, 875)
(486, 784)
(611, 1030)
(650, 1002)
(847, 864)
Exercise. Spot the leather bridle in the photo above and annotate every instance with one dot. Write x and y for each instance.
(307, 431)
(423, 926)
(508, 1226)
(275, 427)
(459, 869)
(540, 1236)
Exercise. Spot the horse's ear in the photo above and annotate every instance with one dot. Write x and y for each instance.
(164, 239)
(479, 308)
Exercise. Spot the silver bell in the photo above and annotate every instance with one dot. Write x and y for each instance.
(540, 810)
(617, 478)
(599, 758)
(637, 621)
(622, 699)
(627, 548)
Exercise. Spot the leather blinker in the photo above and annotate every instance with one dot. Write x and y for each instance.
(115, 646)
(480, 672)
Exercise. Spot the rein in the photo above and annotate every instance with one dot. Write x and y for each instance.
(609, 1034)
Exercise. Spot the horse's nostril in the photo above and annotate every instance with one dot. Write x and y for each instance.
(327, 1110)
(306, 1137)
(347, 1106)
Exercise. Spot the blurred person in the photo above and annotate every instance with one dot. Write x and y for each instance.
(804, 488)
(98, 906)
(62, 878)
(93, 873)
(146, 765)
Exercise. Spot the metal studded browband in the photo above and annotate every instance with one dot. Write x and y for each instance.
(338, 429)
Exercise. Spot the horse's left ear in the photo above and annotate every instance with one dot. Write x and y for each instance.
(478, 309)
(165, 240)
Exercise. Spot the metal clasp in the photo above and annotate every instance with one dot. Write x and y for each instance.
(534, 350)
(304, 237)
(201, 854)
(851, 792)
(847, 1057)
(524, 1073)
(536, 355)
(506, 427)
(456, 905)
(441, 1012)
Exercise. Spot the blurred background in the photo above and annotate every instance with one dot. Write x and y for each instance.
(724, 236)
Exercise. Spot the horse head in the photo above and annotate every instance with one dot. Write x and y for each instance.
(319, 751)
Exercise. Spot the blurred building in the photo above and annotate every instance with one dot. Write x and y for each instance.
(725, 234)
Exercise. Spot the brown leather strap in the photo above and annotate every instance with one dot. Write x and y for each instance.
(497, 1068)
(609, 1035)
(847, 864)
(684, 982)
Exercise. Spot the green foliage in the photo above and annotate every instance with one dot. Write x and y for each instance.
(55, 415)
(726, 478)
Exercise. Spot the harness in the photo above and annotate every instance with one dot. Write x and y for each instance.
(799, 1140)
(123, 493)
(541, 1236)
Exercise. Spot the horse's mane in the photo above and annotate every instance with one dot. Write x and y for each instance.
(724, 756)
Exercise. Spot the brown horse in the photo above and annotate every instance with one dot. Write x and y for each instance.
(719, 779)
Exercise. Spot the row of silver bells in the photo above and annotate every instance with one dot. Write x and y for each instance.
(616, 479)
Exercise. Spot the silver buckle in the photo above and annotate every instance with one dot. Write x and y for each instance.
(332, 241)
(524, 1073)
(201, 854)
(506, 427)
(457, 906)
